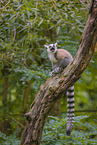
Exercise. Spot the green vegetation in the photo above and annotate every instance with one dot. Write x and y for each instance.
(25, 26)
(83, 133)
(54, 132)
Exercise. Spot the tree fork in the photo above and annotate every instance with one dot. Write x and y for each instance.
(54, 87)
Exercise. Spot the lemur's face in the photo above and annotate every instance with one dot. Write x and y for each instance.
(51, 47)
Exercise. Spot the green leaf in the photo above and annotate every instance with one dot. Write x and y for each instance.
(40, 22)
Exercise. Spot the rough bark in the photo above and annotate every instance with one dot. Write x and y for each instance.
(54, 87)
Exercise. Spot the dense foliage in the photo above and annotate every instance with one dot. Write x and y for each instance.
(25, 27)
(54, 133)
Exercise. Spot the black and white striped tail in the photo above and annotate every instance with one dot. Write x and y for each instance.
(70, 111)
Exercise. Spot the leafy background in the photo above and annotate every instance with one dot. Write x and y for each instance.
(25, 26)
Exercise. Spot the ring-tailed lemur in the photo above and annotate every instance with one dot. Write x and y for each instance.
(60, 58)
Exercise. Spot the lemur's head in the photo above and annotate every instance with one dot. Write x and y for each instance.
(51, 48)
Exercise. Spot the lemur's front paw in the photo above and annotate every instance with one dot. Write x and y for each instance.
(52, 73)
(57, 70)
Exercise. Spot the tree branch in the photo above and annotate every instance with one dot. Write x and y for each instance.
(54, 87)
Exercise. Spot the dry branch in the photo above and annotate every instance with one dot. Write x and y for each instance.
(54, 87)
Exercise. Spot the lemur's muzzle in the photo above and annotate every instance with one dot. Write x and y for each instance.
(52, 49)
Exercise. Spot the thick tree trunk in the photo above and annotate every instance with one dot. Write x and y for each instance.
(54, 87)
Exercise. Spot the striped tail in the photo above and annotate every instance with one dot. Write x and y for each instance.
(70, 111)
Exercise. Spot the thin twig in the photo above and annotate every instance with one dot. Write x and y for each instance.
(15, 120)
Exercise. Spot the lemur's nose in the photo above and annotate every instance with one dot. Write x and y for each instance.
(52, 49)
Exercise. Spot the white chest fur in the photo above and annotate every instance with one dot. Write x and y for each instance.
(52, 58)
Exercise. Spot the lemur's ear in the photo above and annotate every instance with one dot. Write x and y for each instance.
(56, 44)
(46, 46)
